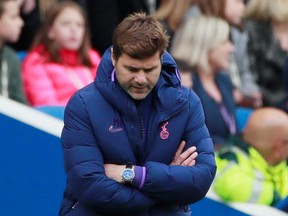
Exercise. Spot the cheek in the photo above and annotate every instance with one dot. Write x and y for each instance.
(81, 32)
(51, 34)
(153, 78)
(123, 78)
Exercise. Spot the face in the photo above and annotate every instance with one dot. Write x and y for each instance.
(219, 57)
(68, 29)
(234, 11)
(282, 148)
(10, 22)
(137, 77)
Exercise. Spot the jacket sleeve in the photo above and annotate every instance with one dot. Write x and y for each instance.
(84, 166)
(16, 91)
(185, 184)
(38, 87)
(230, 179)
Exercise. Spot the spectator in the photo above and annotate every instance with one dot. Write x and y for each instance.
(136, 113)
(32, 13)
(252, 167)
(203, 43)
(267, 24)
(246, 91)
(105, 15)
(61, 61)
(10, 68)
(171, 13)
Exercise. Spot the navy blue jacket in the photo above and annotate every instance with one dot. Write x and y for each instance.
(217, 127)
(101, 125)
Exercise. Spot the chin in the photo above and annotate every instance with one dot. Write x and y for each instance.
(138, 96)
(72, 47)
(225, 66)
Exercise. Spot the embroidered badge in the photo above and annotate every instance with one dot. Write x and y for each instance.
(164, 134)
(117, 126)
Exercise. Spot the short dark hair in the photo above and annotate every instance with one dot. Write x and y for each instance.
(139, 36)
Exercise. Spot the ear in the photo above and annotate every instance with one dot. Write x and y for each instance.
(278, 150)
(112, 57)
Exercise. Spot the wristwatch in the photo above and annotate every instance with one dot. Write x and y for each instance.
(128, 174)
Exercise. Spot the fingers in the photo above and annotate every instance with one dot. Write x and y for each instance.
(180, 148)
(187, 158)
(190, 161)
(186, 155)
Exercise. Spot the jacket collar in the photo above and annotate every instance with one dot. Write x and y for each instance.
(167, 93)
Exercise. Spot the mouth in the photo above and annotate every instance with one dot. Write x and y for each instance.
(141, 88)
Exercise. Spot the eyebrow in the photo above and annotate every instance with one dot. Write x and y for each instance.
(140, 68)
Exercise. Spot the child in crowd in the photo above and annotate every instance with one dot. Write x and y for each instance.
(203, 43)
(10, 68)
(62, 60)
(32, 13)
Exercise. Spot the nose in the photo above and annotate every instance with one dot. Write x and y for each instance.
(232, 47)
(140, 77)
(20, 22)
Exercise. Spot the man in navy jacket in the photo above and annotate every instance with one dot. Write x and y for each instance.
(122, 133)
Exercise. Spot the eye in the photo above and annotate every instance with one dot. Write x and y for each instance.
(133, 70)
(148, 70)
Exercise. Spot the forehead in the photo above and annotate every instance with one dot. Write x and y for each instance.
(70, 13)
(10, 6)
(148, 62)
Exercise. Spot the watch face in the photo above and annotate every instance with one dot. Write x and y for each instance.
(128, 174)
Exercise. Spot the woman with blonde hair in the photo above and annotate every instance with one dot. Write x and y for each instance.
(267, 25)
(203, 43)
(246, 92)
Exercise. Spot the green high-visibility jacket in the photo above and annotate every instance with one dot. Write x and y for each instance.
(243, 175)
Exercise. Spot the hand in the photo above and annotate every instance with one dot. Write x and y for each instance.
(186, 158)
(114, 171)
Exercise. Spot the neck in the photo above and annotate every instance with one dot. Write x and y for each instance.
(206, 75)
(270, 160)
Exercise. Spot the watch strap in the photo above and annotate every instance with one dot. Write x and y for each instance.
(129, 165)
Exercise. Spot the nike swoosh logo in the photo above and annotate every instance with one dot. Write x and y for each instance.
(114, 130)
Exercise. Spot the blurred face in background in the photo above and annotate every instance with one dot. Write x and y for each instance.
(10, 22)
(220, 56)
(68, 29)
(234, 11)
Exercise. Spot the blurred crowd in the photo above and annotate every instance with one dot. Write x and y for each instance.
(232, 53)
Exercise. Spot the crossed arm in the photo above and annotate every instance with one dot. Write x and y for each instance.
(186, 158)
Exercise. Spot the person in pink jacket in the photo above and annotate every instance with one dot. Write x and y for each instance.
(61, 60)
